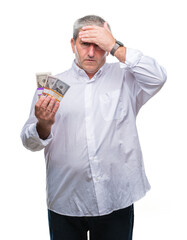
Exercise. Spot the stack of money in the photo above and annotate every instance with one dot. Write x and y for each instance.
(40, 81)
(49, 85)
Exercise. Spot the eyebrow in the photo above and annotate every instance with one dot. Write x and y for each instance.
(80, 41)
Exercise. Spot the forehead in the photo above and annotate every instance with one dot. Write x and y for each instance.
(86, 44)
(79, 41)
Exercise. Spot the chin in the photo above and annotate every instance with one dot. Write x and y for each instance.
(90, 70)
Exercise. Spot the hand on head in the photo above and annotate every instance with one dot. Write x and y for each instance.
(100, 36)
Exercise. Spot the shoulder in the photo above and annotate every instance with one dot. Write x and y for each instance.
(64, 76)
(116, 67)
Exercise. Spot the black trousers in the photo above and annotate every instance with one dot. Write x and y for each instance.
(115, 226)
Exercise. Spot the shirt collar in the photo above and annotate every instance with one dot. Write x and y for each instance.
(80, 72)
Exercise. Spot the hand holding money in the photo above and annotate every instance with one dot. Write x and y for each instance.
(50, 91)
(45, 111)
(50, 86)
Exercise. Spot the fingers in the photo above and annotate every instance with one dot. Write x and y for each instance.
(88, 34)
(47, 105)
(45, 110)
(55, 108)
(95, 27)
(101, 36)
(43, 102)
(50, 104)
(40, 102)
(90, 31)
(89, 27)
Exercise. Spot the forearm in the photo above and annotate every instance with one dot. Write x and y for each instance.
(36, 133)
(43, 131)
(31, 139)
(120, 54)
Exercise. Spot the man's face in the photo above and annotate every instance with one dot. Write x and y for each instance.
(89, 56)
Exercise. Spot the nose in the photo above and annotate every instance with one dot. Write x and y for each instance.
(91, 50)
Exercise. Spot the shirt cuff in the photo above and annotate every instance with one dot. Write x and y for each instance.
(34, 135)
(132, 58)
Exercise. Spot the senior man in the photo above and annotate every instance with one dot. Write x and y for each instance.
(94, 164)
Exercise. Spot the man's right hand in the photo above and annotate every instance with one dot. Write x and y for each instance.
(45, 111)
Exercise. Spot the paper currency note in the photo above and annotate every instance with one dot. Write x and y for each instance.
(50, 81)
(55, 87)
(41, 79)
(60, 87)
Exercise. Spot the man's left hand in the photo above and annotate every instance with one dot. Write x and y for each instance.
(100, 36)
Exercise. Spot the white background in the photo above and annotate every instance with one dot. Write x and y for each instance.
(35, 37)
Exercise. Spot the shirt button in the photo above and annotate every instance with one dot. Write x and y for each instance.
(97, 178)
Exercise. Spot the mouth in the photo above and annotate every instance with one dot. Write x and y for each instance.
(89, 60)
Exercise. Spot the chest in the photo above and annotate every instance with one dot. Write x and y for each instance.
(105, 98)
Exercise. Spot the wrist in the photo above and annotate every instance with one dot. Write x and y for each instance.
(120, 54)
(112, 45)
(43, 130)
(115, 47)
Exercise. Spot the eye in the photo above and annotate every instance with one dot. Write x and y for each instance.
(97, 47)
(85, 44)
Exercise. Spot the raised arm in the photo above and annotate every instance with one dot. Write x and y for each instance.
(148, 75)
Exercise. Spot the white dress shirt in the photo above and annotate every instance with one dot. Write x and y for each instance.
(93, 157)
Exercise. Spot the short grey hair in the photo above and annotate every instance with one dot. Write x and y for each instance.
(85, 21)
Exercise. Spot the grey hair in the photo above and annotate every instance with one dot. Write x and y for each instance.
(85, 21)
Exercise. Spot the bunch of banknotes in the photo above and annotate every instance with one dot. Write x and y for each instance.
(49, 85)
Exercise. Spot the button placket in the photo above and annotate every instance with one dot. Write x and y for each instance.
(95, 164)
(93, 159)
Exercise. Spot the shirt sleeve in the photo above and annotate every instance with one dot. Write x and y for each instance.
(29, 134)
(147, 79)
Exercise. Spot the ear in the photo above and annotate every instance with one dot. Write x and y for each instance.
(72, 45)
(106, 26)
(106, 54)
